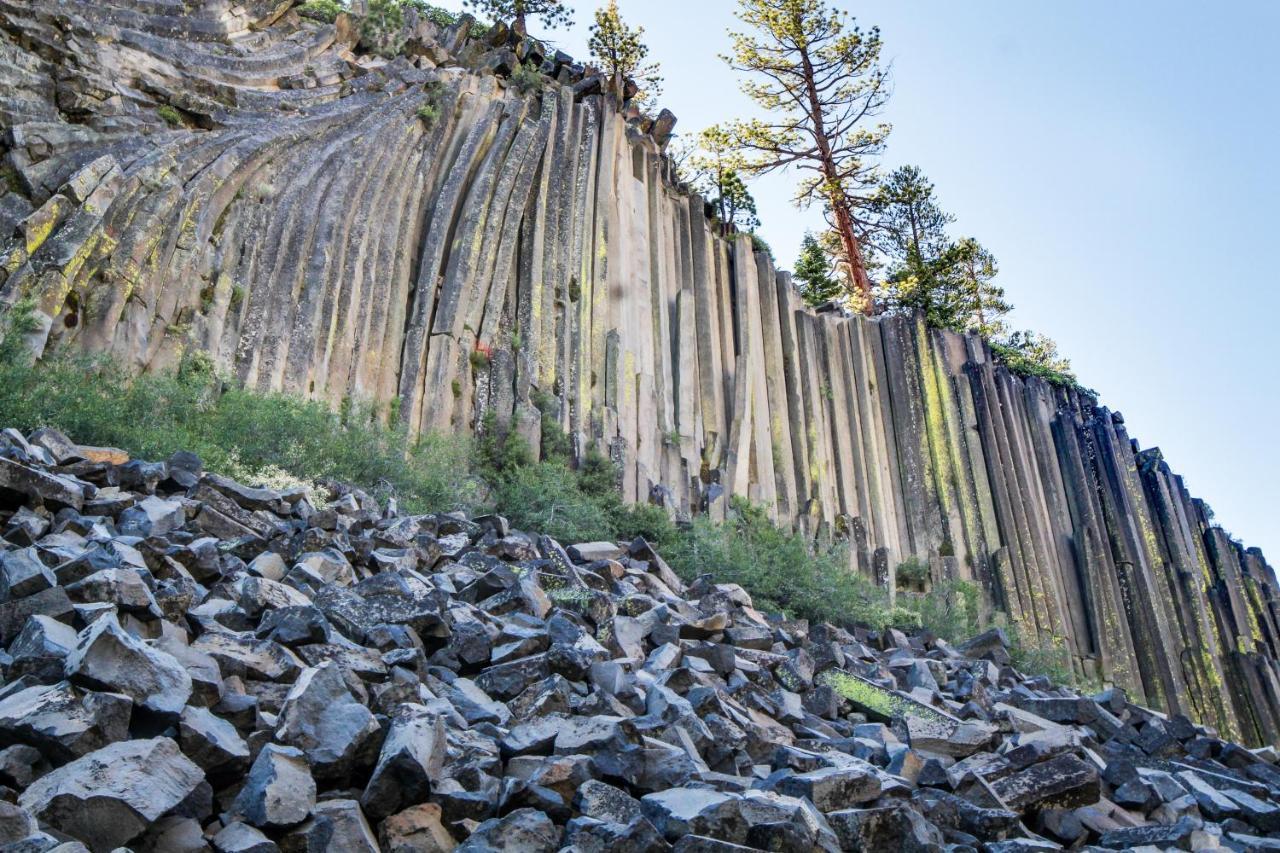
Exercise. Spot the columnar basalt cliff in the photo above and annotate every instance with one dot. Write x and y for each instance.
(421, 233)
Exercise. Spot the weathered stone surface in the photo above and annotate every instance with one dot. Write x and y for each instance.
(323, 719)
(41, 649)
(108, 657)
(412, 758)
(834, 788)
(1063, 781)
(50, 489)
(885, 829)
(334, 825)
(108, 797)
(522, 830)
(240, 837)
(63, 721)
(417, 829)
(279, 791)
(211, 742)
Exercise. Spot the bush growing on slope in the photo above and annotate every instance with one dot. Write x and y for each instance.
(236, 432)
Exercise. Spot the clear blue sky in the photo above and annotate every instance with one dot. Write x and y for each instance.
(1120, 159)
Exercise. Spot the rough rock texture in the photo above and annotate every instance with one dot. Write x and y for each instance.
(477, 701)
(321, 221)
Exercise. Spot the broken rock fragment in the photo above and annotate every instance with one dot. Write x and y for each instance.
(110, 796)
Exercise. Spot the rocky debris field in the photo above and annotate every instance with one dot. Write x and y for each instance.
(193, 664)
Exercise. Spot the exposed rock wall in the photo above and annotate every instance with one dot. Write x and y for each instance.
(423, 235)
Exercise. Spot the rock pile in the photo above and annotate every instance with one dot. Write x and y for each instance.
(193, 664)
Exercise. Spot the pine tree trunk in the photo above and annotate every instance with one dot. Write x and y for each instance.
(835, 197)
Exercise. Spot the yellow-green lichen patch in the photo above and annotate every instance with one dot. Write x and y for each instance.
(877, 700)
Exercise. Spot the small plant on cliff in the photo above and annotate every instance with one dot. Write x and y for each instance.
(527, 78)
(912, 572)
(552, 14)
(758, 244)
(321, 10)
(171, 116)
(381, 28)
(617, 48)
(1030, 353)
(429, 114)
(9, 179)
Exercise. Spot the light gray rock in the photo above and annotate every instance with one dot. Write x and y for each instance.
(63, 721)
(334, 825)
(521, 831)
(412, 758)
(108, 657)
(237, 837)
(323, 719)
(280, 790)
(41, 649)
(110, 796)
(211, 742)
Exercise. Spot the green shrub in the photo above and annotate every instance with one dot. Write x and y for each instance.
(429, 114)
(555, 443)
(950, 609)
(1019, 363)
(527, 78)
(912, 572)
(780, 569)
(321, 10)
(381, 28)
(236, 432)
(758, 244)
(546, 497)
(440, 17)
(9, 179)
(1050, 658)
(500, 452)
(171, 116)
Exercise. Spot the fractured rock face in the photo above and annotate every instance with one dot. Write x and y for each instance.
(279, 792)
(412, 757)
(109, 657)
(63, 721)
(322, 718)
(110, 796)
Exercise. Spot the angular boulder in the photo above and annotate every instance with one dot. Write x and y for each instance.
(108, 657)
(109, 797)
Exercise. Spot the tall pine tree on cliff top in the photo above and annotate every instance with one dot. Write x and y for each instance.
(948, 282)
(618, 50)
(813, 273)
(821, 81)
(552, 13)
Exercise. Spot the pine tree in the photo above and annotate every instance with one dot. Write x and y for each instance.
(618, 50)
(949, 282)
(552, 13)
(737, 203)
(1034, 354)
(974, 268)
(821, 81)
(715, 164)
(814, 276)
